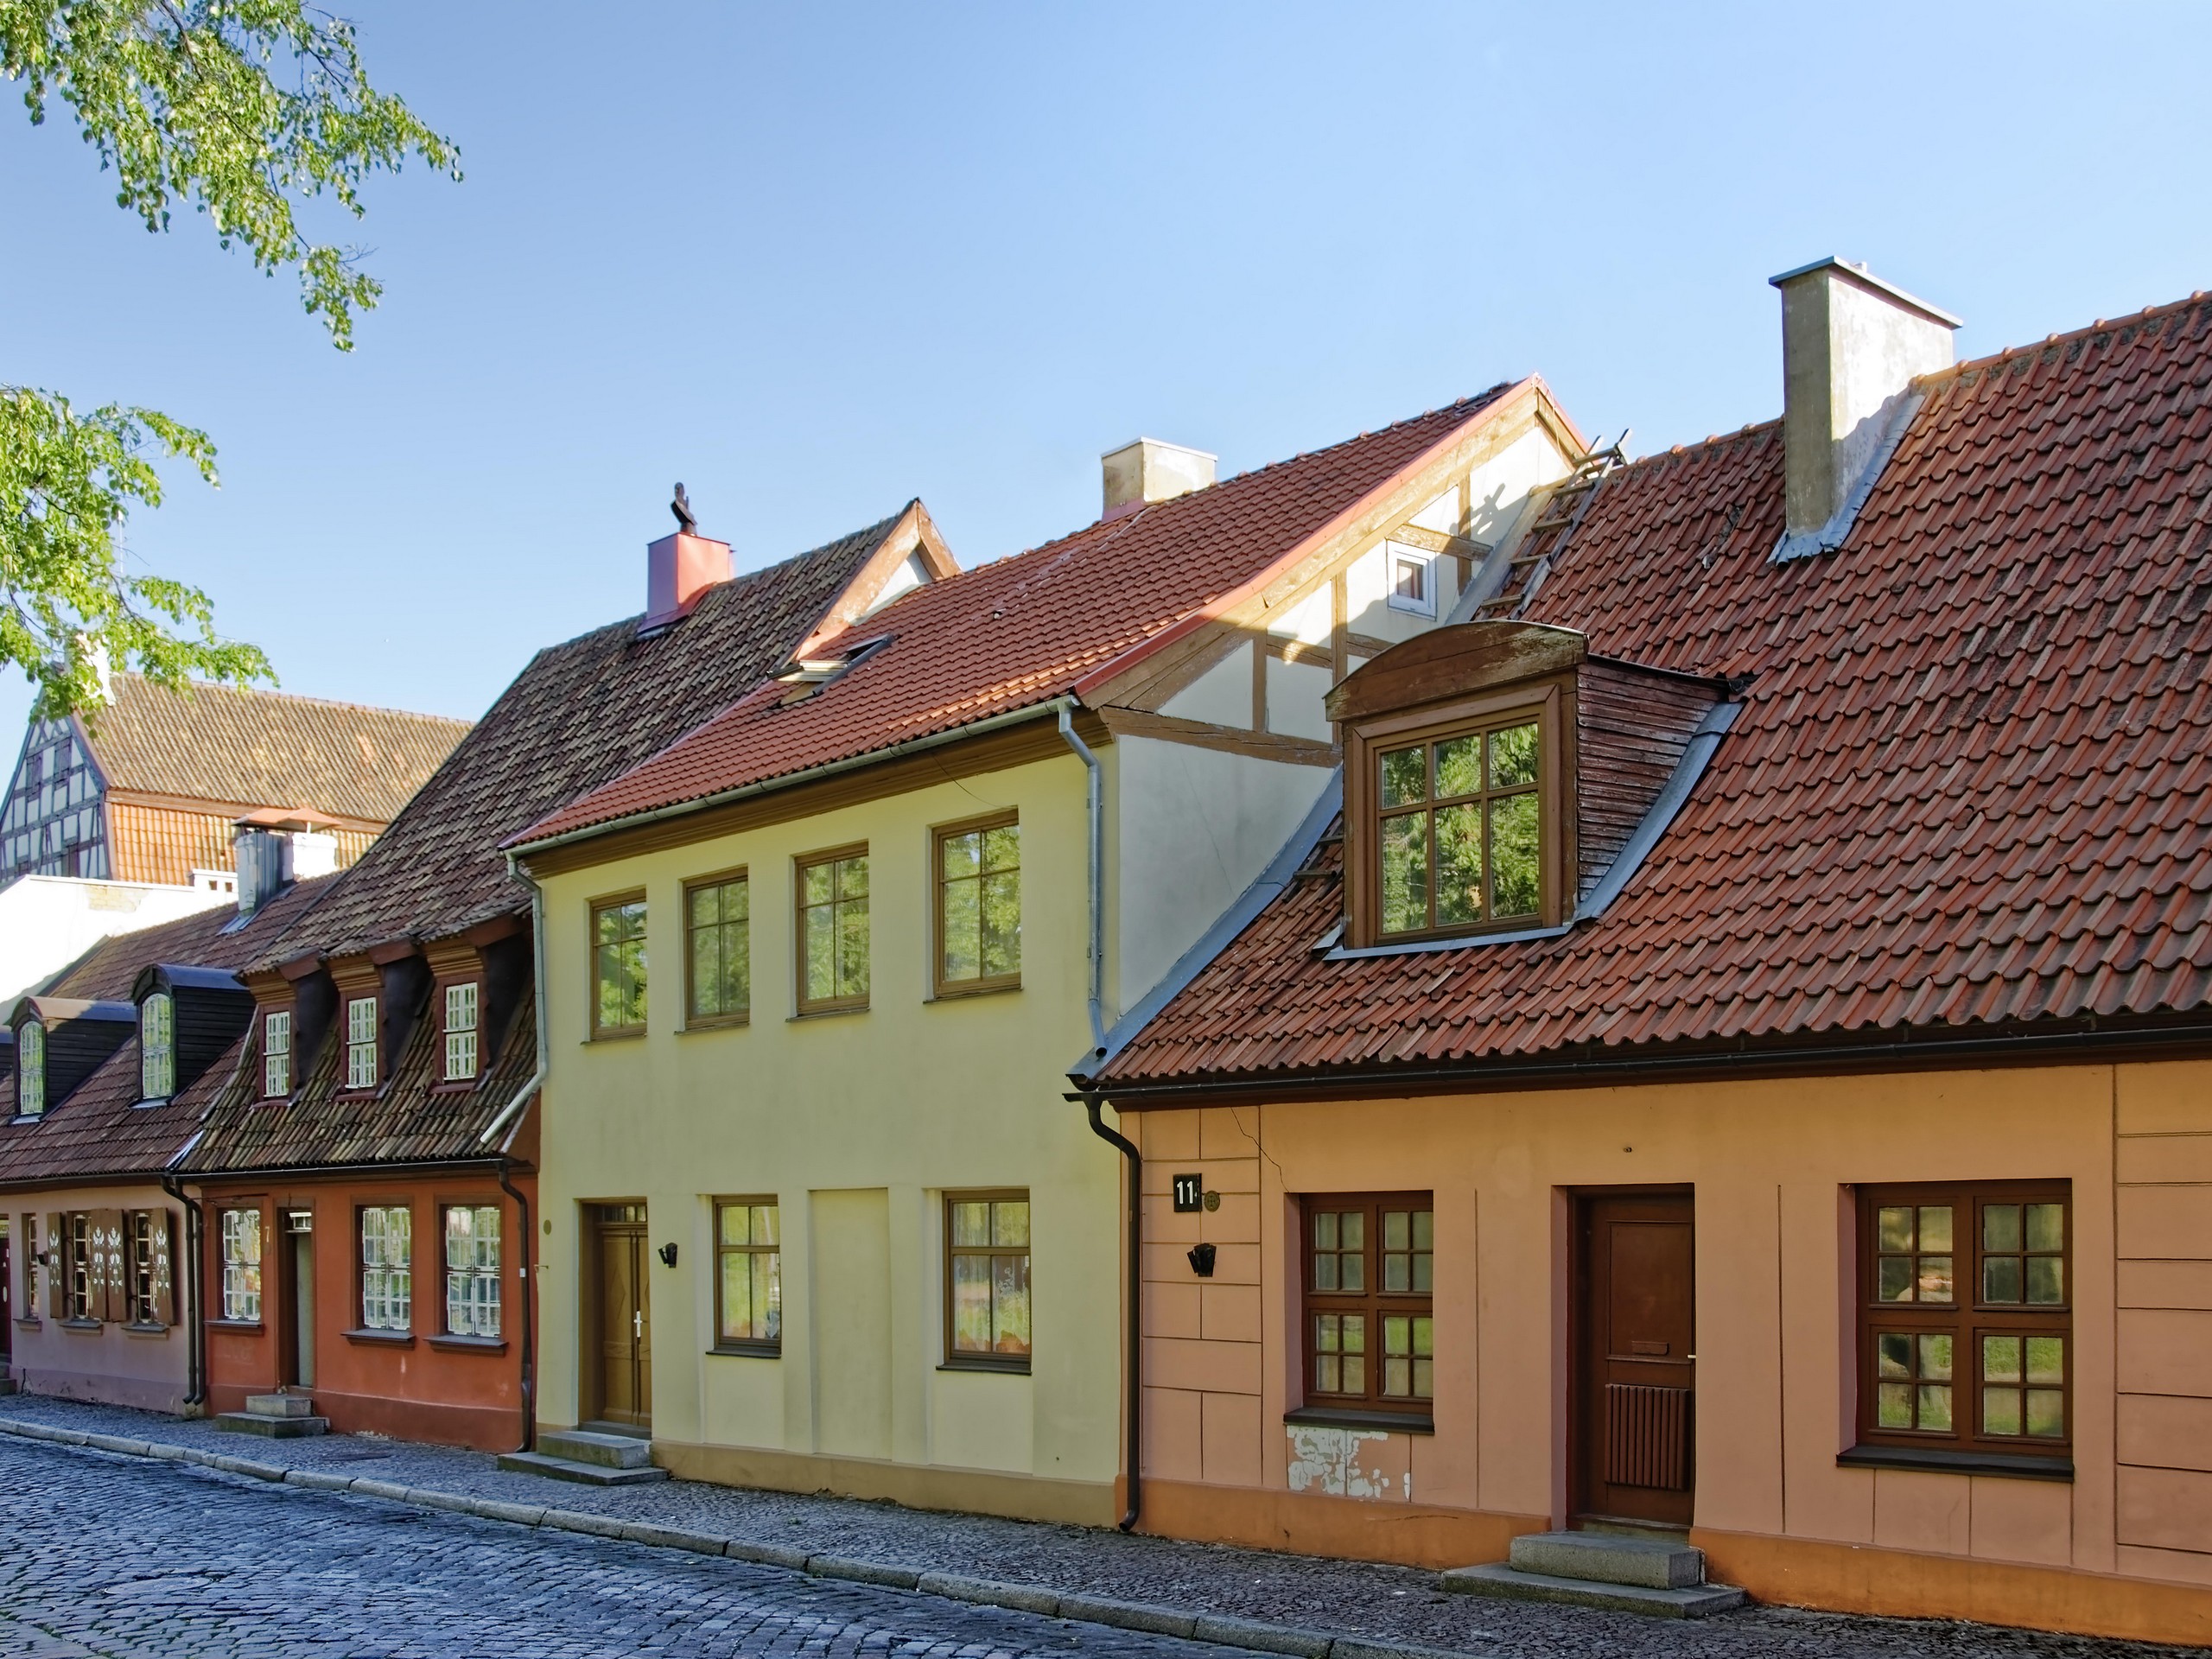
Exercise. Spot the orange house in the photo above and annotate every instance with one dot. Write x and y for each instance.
(1732, 1064)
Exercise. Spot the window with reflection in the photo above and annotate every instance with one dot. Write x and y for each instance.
(749, 1277)
(1966, 1333)
(833, 931)
(1370, 1329)
(978, 907)
(618, 968)
(1459, 826)
(986, 1281)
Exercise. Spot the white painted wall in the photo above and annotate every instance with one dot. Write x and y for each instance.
(48, 921)
(1193, 828)
(1295, 699)
(1220, 696)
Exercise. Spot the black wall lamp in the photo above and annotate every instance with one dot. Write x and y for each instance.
(1202, 1260)
(668, 1256)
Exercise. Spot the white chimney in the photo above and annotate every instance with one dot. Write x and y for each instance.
(1139, 473)
(1851, 346)
(263, 860)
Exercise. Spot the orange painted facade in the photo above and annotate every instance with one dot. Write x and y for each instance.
(423, 1385)
(2122, 1548)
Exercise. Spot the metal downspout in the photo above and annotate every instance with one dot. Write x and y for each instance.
(195, 1331)
(1133, 1339)
(1095, 800)
(507, 1113)
(529, 1311)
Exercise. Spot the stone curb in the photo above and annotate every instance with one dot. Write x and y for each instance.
(1251, 1634)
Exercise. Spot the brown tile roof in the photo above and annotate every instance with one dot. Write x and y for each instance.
(100, 1130)
(1020, 630)
(267, 749)
(1964, 796)
(577, 714)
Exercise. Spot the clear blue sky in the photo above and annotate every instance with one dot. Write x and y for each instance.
(816, 260)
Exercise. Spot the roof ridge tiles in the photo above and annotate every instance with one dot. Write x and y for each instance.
(192, 688)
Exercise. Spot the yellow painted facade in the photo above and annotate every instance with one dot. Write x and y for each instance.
(858, 1123)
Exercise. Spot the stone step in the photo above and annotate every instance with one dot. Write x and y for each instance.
(1606, 1558)
(587, 1446)
(1510, 1583)
(280, 1405)
(271, 1429)
(588, 1474)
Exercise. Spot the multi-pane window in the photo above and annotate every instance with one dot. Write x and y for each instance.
(749, 1276)
(1965, 1331)
(718, 960)
(618, 968)
(149, 1267)
(361, 1043)
(157, 1047)
(472, 1269)
(833, 931)
(242, 1265)
(31, 1070)
(387, 1266)
(1370, 1269)
(461, 1004)
(29, 1257)
(276, 1053)
(986, 1274)
(81, 1288)
(1459, 830)
(978, 906)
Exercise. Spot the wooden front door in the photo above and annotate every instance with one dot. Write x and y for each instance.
(1636, 1360)
(625, 1334)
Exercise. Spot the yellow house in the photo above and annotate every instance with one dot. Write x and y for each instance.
(816, 1214)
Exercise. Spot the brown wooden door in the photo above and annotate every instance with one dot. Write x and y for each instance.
(1635, 1367)
(625, 1382)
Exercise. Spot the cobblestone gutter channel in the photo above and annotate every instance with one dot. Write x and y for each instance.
(1199, 1593)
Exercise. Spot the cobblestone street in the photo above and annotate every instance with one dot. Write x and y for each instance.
(117, 1555)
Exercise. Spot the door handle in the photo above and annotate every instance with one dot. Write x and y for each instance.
(637, 1323)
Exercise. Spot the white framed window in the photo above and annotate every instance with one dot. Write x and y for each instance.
(361, 1043)
(31, 1070)
(387, 1266)
(473, 1270)
(276, 1053)
(1413, 581)
(242, 1265)
(157, 1047)
(460, 1032)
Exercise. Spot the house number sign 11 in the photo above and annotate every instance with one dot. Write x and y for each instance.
(1191, 1195)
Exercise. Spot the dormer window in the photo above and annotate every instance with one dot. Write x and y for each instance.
(157, 1046)
(460, 1032)
(1459, 838)
(276, 1053)
(361, 1043)
(31, 1070)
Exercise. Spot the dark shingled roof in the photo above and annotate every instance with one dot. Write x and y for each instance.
(100, 1131)
(1965, 795)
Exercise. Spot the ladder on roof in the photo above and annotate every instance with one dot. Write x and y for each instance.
(1555, 523)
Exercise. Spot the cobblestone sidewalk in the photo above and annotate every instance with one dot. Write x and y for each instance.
(1383, 1605)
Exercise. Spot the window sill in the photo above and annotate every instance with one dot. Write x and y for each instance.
(469, 1344)
(749, 1350)
(717, 1022)
(355, 1096)
(22, 1118)
(1007, 1367)
(80, 1325)
(1940, 1461)
(145, 1330)
(252, 1327)
(455, 1086)
(29, 1322)
(958, 992)
(831, 1013)
(383, 1338)
(1400, 1422)
(630, 1034)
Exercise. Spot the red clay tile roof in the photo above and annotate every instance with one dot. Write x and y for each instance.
(1965, 794)
(219, 743)
(101, 1130)
(578, 715)
(1020, 630)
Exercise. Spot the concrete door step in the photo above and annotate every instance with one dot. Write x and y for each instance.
(1656, 1563)
(1498, 1579)
(272, 1429)
(280, 1405)
(586, 1445)
(586, 1473)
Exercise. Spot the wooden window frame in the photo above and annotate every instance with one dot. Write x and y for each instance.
(963, 1359)
(31, 1070)
(599, 907)
(800, 865)
(939, 985)
(1372, 1302)
(156, 1050)
(759, 1347)
(361, 1268)
(267, 1054)
(79, 1262)
(475, 1270)
(225, 1262)
(1549, 704)
(349, 1043)
(473, 1030)
(1966, 1318)
(693, 1019)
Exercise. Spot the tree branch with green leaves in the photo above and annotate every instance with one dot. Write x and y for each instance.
(245, 110)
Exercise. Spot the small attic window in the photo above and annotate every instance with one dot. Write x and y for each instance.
(31, 1070)
(807, 675)
(1413, 581)
(156, 1047)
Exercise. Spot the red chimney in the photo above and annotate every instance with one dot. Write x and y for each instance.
(679, 567)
